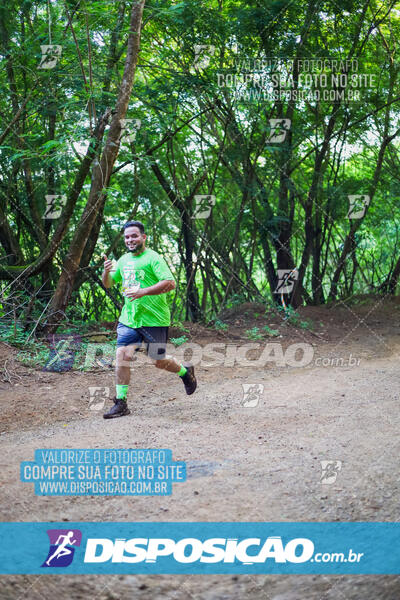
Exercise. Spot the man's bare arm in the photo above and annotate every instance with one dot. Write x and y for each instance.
(106, 278)
(165, 285)
(161, 287)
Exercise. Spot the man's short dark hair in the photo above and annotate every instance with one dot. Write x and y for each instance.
(137, 224)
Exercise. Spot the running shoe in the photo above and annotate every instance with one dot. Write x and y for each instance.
(189, 380)
(120, 409)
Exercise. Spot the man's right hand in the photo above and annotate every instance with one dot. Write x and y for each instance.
(108, 264)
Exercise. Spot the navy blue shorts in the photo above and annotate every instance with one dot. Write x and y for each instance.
(155, 339)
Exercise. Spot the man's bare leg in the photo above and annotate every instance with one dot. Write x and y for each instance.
(124, 358)
(170, 364)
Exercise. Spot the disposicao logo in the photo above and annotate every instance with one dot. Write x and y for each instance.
(61, 551)
(190, 550)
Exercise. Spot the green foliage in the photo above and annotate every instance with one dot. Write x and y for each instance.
(34, 357)
(271, 332)
(100, 361)
(14, 336)
(292, 316)
(179, 325)
(220, 325)
(253, 333)
(179, 340)
(201, 133)
(236, 300)
(81, 327)
(33, 352)
(20, 338)
(80, 357)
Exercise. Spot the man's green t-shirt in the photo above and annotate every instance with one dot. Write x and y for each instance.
(147, 269)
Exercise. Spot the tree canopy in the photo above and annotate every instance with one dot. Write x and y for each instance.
(255, 140)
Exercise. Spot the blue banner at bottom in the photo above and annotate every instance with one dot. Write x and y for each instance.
(200, 548)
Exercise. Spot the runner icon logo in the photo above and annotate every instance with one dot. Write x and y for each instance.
(252, 392)
(330, 470)
(50, 55)
(61, 551)
(98, 397)
(286, 281)
(203, 54)
(279, 129)
(358, 204)
(204, 204)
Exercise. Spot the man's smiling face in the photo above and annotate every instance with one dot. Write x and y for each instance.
(134, 239)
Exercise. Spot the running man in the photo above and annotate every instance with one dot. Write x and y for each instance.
(62, 549)
(145, 317)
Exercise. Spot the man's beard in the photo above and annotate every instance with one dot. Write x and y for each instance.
(136, 247)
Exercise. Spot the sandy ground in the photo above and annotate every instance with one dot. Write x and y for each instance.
(258, 463)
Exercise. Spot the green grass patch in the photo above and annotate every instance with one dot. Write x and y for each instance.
(179, 340)
(253, 333)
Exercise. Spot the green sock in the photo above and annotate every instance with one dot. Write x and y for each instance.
(122, 392)
(182, 372)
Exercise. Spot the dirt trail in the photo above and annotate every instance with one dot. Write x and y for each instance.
(245, 464)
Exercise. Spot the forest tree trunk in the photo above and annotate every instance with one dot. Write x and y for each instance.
(100, 177)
